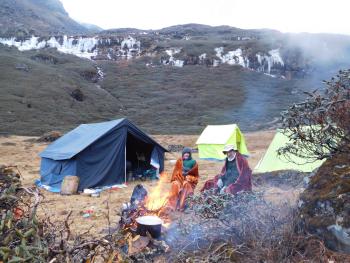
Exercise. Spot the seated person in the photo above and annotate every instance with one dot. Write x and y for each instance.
(152, 173)
(183, 181)
(235, 176)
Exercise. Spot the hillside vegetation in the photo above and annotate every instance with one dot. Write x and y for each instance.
(47, 90)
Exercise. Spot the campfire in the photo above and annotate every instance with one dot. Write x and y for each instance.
(146, 211)
(158, 198)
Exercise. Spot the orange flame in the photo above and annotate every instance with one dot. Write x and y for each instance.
(158, 197)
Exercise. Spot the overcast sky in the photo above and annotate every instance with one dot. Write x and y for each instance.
(329, 16)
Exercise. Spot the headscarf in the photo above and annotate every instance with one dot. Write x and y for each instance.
(187, 150)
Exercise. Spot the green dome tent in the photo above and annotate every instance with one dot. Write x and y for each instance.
(215, 137)
(272, 162)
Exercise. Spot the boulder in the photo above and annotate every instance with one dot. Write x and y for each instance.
(22, 67)
(77, 94)
(50, 136)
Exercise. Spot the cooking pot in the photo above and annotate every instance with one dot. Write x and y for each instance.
(150, 224)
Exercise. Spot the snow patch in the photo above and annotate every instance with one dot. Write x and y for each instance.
(85, 47)
(100, 73)
(32, 43)
(216, 62)
(172, 61)
(81, 47)
(234, 57)
(130, 47)
(270, 75)
(273, 58)
(203, 56)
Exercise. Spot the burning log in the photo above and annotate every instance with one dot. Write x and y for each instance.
(134, 209)
(143, 204)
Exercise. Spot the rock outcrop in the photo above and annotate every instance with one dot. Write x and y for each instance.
(40, 17)
(325, 204)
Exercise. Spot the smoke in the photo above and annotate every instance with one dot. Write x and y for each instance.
(321, 54)
(237, 220)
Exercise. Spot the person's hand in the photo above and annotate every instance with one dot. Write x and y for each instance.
(219, 183)
(222, 191)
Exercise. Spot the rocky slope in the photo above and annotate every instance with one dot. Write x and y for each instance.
(36, 17)
(325, 204)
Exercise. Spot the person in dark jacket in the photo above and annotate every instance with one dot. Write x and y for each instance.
(235, 176)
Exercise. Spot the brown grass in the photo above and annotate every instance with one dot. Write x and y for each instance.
(23, 152)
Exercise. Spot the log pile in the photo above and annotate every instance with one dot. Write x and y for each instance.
(25, 238)
(20, 231)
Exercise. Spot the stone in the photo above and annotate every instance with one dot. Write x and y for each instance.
(22, 67)
(77, 94)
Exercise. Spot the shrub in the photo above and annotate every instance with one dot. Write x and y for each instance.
(319, 127)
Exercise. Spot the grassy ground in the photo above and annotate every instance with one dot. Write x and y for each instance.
(38, 100)
(184, 100)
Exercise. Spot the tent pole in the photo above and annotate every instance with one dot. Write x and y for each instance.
(125, 164)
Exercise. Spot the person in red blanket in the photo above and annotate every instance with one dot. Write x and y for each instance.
(183, 181)
(235, 176)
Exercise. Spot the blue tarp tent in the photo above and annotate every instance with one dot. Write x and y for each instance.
(97, 154)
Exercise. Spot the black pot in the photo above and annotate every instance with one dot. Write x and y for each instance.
(150, 224)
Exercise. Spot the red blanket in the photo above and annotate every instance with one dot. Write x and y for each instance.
(243, 182)
(181, 186)
(192, 176)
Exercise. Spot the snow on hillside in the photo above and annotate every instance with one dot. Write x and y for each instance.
(81, 47)
(172, 61)
(129, 47)
(236, 57)
(132, 47)
(272, 59)
(85, 47)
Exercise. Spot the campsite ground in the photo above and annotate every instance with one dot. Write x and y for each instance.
(23, 152)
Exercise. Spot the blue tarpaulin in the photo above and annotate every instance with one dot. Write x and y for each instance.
(97, 154)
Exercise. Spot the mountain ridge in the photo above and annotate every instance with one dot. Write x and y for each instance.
(36, 17)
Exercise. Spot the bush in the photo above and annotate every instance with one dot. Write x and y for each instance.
(320, 127)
